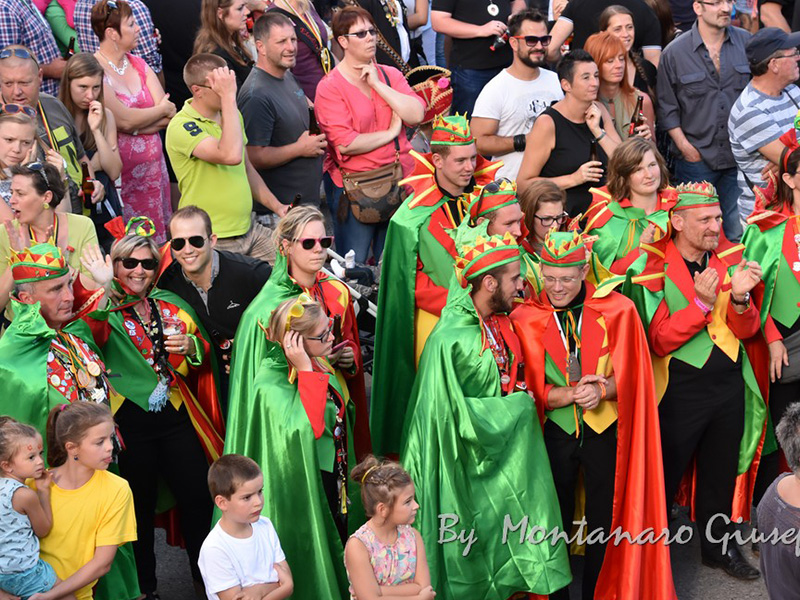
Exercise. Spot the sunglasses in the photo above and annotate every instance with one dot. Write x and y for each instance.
(361, 34)
(309, 243)
(148, 264)
(492, 187)
(13, 109)
(198, 241)
(325, 334)
(548, 221)
(532, 40)
(39, 168)
(19, 53)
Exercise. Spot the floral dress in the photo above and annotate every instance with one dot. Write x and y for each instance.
(392, 564)
(145, 181)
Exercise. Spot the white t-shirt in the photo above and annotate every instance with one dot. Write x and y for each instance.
(227, 562)
(515, 104)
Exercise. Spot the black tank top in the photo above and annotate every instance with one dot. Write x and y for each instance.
(570, 152)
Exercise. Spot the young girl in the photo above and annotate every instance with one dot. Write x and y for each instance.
(385, 557)
(25, 514)
(92, 508)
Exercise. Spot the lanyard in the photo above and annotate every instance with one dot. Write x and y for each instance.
(311, 25)
(53, 239)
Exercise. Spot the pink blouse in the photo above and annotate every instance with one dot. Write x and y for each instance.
(343, 113)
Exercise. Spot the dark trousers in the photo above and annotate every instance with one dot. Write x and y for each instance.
(467, 85)
(163, 446)
(781, 395)
(704, 422)
(597, 454)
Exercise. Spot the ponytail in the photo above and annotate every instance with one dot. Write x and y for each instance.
(69, 423)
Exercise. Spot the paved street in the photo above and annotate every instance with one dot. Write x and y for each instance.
(693, 581)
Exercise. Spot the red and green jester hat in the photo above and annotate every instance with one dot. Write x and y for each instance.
(418, 262)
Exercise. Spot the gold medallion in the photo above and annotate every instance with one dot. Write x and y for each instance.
(93, 368)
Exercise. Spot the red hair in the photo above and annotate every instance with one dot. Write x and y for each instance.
(603, 46)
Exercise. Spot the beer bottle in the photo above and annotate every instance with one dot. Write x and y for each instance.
(71, 48)
(593, 150)
(638, 116)
(313, 126)
(87, 186)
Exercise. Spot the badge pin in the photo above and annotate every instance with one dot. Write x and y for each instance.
(492, 9)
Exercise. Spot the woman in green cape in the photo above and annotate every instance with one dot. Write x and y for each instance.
(299, 430)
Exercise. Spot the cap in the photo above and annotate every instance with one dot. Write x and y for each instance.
(767, 41)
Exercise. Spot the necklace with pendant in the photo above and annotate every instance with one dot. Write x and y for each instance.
(118, 70)
(493, 9)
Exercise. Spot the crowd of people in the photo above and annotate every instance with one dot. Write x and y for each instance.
(582, 220)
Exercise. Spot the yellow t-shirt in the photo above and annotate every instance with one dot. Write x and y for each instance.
(100, 513)
(223, 191)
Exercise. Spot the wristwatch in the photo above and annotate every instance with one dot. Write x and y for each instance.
(745, 302)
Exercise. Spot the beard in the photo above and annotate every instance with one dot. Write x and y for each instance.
(498, 303)
(526, 60)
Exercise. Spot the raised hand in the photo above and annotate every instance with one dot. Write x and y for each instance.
(295, 351)
(745, 278)
(100, 268)
(95, 116)
(705, 286)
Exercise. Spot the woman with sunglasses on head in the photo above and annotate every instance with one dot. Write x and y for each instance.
(169, 417)
(616, 93)
(299, 425)
(301, 241)
(81, 92)
(633, 208)
(36, 189)
(141, 110)
(222, 22)
(361, 108)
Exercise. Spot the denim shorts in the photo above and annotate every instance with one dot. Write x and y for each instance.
(38, 579)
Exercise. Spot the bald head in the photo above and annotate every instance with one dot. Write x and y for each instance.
(20, 76)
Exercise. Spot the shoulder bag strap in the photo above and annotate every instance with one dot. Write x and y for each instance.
(396, 140)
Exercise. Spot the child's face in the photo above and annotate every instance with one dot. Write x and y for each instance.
(28, 461)
(245, 503)
(405, 506)
(96, 448)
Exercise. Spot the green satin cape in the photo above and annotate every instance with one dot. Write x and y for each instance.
(480, 456)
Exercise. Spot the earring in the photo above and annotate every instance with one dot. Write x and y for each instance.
(46, 206)
(75, 457)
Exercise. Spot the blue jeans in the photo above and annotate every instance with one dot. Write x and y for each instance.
(353, 234)
(727, 188)
(441, 59)
(467, 85)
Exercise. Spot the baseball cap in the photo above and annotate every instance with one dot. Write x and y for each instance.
(767, 41)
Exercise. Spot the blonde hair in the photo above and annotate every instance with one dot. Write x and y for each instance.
(304, 324)
(18, 119)
(127, 245)
(12, 434)
(380, 482)
(291, 226)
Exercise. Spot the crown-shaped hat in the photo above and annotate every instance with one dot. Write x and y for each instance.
(451, 131)
(485, 253)
(432, 84)
(38, 263)
(563, 249)
(492, 196)
(694, 195)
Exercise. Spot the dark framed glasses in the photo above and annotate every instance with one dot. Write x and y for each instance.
(532, 40)
(39, 168)
(13, 109)
(148, 264)
(325, 334)
(549, 220)
(309, 243)
(198, 241)
(19, 53)
(362, 34)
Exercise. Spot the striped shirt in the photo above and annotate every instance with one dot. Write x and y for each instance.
(756, 120)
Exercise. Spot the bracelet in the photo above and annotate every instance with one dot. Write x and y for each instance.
(743, 302)
(703, 306)
(519, 142)
(602, 390)
(601, 136)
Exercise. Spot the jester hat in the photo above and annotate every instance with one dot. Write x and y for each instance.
(493, 196)
(451, 131)
(38, 263)
(479, 252)
(136, 226)
(432, 84)
(696, 195)
(564, 249)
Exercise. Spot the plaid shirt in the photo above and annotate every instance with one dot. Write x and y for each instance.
(146, 48)
(22, 23)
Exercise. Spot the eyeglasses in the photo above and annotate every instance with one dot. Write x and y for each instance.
(718, 3)
(19, 53)
(492, 187)
(309, 243)
(198, 241)
(13, 109)
(111, 6)
(562, 280)
(325, 334)
(794, 54)
(148, 264)
(549, 220)
(532, 40)
(361, 34)
(39, 168)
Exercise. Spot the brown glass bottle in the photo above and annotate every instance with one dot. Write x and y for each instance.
(638, 116)
(313, 126)
(87, 185)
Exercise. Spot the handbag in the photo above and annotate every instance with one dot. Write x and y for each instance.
(374, 195)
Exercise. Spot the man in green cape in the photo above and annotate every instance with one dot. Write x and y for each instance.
(474, 446)
(47, 359)
(417, 265)
(704, 332)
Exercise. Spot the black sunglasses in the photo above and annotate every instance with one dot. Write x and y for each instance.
(361, 34)
(198, 241)
(148, 264)
(532, 40)
(492, 187)
(19, 53)
(13, 109)
(309, 243)
(39, 168)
